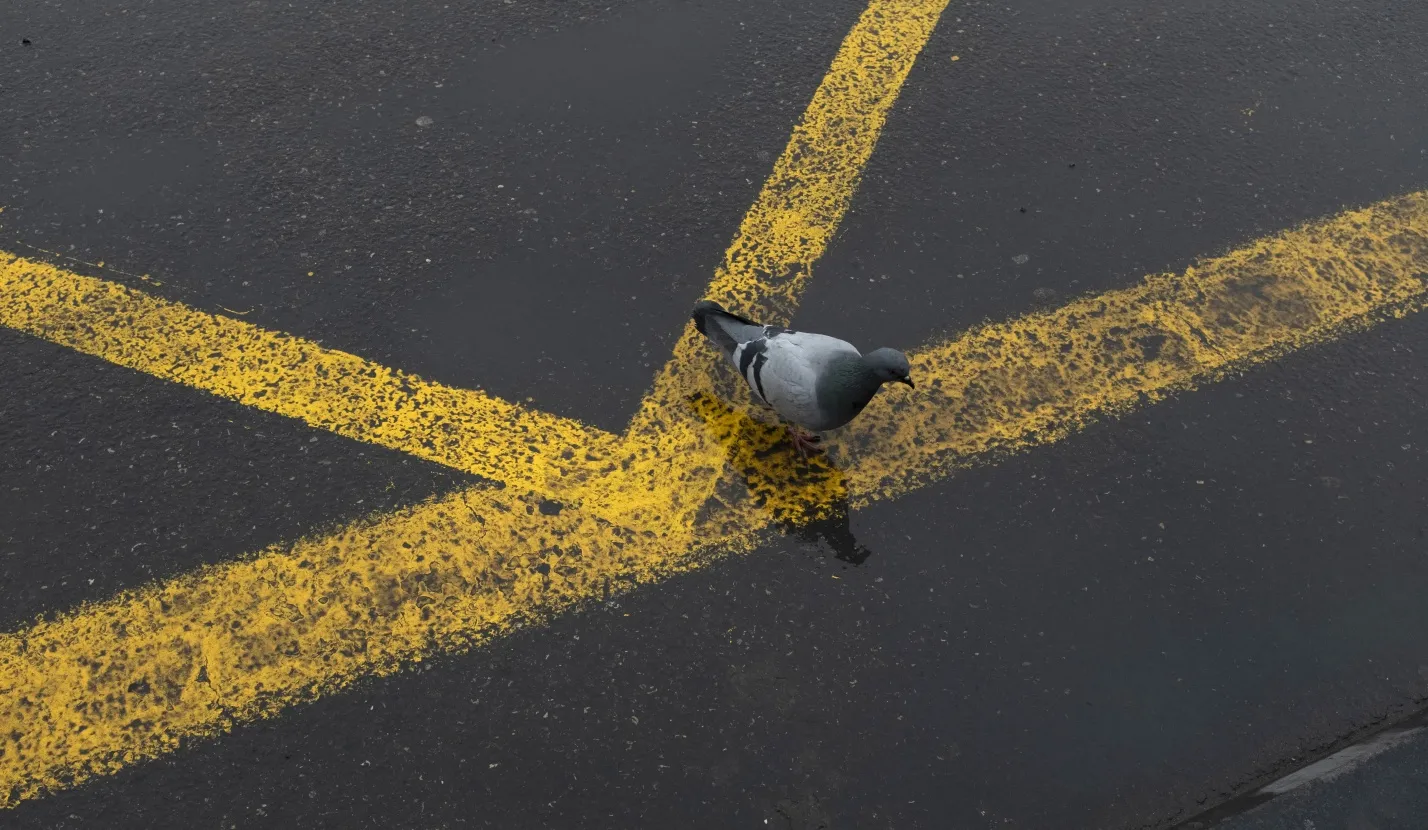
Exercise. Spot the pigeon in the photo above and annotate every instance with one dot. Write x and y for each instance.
(812, 381)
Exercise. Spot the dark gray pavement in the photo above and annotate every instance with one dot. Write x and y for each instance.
(1120, 630)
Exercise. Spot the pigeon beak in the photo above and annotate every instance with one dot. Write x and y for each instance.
(908, 381)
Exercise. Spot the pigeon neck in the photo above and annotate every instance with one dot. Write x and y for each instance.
(865, 378)
(846, 388)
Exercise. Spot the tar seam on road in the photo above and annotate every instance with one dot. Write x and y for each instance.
(275, 372)
(244, 640)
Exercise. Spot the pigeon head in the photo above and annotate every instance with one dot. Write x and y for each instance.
(889, 365)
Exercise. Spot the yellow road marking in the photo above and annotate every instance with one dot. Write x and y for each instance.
(125, 680)
(275, 372)
(636, 483)
(128, 679)
(1011, 385)
(767, 265)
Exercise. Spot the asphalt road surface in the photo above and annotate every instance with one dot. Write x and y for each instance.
(1117, 620)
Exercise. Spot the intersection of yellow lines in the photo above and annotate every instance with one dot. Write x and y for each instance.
(574, 513)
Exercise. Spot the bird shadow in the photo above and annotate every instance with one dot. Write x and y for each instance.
(806, 497)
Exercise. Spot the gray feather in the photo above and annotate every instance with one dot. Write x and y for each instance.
(724, 328)
(843, 390)
(813, 380)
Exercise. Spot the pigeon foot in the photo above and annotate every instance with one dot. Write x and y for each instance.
(805, 442)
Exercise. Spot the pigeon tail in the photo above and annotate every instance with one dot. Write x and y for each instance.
(724, 329)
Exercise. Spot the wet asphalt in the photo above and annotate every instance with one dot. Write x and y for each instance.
(1121, 629)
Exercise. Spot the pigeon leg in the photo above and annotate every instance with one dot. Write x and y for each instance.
(805, 442)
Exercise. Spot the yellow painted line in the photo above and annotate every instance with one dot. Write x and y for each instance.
(275, 372)
(128, 679)
(767, 265)
(1030, 381)
(125, 680)
(633, 481)
(812, 184)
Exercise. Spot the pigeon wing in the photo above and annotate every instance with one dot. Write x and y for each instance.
(724, 329)
(784, 373)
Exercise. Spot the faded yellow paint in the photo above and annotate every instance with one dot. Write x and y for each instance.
(275, 372)
(665, 468)
(131, 678)
(1029, 381)
(671, 464)
(127, 679)
(117, 682)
